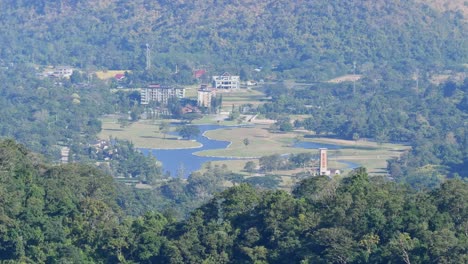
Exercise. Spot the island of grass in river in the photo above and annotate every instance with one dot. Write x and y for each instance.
(228, 143)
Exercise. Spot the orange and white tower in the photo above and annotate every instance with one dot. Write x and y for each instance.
(323, 169)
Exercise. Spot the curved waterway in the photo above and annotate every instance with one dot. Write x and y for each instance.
(183, 161)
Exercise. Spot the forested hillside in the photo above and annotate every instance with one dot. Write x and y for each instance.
(69, 214)
(311, 40)
(45, 113)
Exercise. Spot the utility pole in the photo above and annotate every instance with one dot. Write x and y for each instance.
(148, 57)
(354, 78)
(416, 77)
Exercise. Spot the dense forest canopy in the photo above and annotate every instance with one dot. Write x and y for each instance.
(45, 113)
(68, 213)
(311, 40)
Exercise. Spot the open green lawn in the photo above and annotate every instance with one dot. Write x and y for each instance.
(368, 154)
(143, 134)
(372, 155)
(240, 97)
(236, 166)
(215, 120)
(236, 97)
(261, 142)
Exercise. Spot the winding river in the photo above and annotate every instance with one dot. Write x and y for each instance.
(179, 162)
(182, 161)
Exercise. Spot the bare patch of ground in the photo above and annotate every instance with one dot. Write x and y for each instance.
(346, 78)
(104, 75)
(438, 79)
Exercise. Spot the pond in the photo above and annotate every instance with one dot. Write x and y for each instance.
(331, 157)
(183, 162)
(314, 145)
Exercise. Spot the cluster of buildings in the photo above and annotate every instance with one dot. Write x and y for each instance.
(59, 72)
(205, 94)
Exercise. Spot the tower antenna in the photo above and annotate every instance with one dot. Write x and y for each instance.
(148, 57)
(354, 78)
(416, 77)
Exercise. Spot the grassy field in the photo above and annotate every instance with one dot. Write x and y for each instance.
(372, 155)
(287, 177)
(143, 134)
(233, 165)
(215, 120)
(240, 97)
(261, 142)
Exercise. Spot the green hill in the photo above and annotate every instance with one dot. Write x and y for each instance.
(68, 214)
(303, 39)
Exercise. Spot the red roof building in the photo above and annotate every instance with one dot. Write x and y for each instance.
(199, 73)
(190, 109)
(119, 76)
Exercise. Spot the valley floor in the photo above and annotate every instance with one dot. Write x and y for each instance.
(261, 142)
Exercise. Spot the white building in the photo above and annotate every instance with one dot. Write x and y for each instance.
(62, 72)
(226, 81)
(161, 93)
(65, 153)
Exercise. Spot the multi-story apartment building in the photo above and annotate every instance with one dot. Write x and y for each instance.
(205, 96)
(161, 93)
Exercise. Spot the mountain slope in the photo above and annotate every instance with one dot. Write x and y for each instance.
(324, 38)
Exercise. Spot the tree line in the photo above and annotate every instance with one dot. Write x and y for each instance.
(70, 213)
